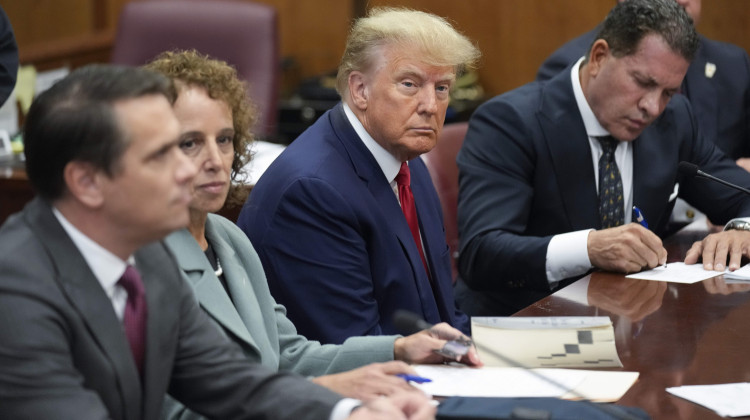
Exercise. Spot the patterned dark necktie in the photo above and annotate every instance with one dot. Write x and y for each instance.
(403, 180)
(610, 185)
(134, 319)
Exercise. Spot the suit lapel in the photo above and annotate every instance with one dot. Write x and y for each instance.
(429, 219)
(87, 296)
(208, 289)
(570, 156)
(369, 171)
(653, 178)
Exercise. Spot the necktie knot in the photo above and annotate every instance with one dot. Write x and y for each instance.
(609, 145)
(404, 176)
(131, 282)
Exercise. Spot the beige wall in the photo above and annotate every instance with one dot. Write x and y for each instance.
(514, 35)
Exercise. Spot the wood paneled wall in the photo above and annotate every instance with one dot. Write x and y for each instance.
(514, 35)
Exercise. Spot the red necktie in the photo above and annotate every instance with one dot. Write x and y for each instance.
(403, 180)
(134, 319)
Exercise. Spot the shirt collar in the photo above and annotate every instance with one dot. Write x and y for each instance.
(106, 266)
(387, 162)
(592, 125)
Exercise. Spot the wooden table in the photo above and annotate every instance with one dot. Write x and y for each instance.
(673, 334)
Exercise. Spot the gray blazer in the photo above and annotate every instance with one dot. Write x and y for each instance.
(64, 354)
(252, 318)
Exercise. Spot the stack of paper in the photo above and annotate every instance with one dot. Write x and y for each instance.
(549, 342)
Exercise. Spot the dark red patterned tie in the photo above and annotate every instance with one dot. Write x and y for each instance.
(134, 319)
(403, 180)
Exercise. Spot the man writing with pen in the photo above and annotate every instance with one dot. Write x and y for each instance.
(550, 174)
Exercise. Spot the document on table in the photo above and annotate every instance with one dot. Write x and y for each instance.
(728, 400)
(678, 272)
(513, 382)
(545, 342)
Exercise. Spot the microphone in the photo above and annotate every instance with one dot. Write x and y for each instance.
(410, 323)
(690, 169)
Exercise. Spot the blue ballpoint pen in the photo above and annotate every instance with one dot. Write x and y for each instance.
(642, 220)
(639, 217)
(413, 378)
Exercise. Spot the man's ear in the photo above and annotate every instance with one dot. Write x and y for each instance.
(358, 90)
(84, 183)
(598, 55)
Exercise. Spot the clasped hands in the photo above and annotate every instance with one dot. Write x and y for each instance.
(631, 248)
(378, 379)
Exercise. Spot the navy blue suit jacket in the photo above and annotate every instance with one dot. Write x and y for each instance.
(8, 57)
(526, 174)
(334, 242)
(721, 103)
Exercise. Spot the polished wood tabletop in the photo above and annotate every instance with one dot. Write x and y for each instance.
(673, 334)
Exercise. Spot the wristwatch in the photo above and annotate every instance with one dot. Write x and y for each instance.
(737, 224)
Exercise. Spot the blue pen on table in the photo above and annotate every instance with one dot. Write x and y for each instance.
(639, 217)
(413, 378)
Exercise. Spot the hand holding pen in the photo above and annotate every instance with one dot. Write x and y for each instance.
(626, 249)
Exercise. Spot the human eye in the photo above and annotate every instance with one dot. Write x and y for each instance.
(225, 143)
(443, 90)
(224, 139)
(189, 144)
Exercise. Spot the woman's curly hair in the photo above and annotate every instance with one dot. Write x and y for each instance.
(191, 68)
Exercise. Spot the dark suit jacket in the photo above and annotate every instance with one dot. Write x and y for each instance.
(526, 174)
(64, 353)
(334, 242)
(8, 57)
(721, 103)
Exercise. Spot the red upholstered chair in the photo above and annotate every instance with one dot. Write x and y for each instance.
(441, 162)
(242, 33)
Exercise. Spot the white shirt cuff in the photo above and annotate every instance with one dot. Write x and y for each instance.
(344, 408)
(568, 255)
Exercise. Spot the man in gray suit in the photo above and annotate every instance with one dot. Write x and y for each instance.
(77, 342)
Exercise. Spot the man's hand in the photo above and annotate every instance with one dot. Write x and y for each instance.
(626, 249)
(418, 348)
(412, 405)
(368, 382)
(717, 247)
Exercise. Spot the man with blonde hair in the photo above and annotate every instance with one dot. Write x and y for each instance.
(346, 221)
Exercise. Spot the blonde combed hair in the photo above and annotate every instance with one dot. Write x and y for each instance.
(431, 38)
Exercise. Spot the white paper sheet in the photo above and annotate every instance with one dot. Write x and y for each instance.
(728, 400)
(678, 272)
(518, 382)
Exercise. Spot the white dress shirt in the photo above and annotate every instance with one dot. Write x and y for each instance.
(106, 266)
